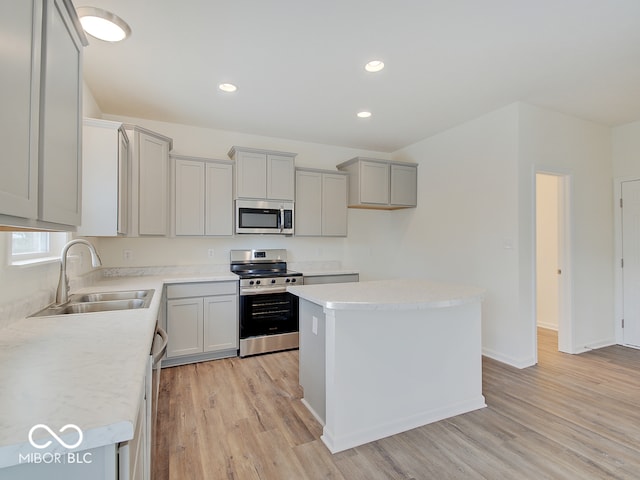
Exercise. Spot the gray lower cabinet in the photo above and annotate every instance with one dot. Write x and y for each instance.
(201, 321)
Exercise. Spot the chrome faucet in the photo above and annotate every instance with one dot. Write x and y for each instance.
(62, 293)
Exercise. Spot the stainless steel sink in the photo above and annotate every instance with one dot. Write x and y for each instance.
(106, 296)
(100, 302)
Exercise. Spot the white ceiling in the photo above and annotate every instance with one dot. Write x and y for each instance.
(299, 64)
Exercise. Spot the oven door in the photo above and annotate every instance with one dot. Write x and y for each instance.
(268, 314)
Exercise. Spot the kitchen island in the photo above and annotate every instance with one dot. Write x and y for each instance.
(382, 357)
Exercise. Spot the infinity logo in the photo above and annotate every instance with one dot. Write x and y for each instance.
(53, 434)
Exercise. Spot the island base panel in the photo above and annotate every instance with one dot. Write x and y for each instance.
(390, 371)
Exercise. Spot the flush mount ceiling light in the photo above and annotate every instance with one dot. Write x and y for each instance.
(227, 87)
(103, 25)
(364, 114)
(374, 66)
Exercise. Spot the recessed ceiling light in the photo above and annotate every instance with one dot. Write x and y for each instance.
(227, 87)
(103, 25)
(374, 66)
(364, 114)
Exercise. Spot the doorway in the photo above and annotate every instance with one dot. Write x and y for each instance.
(552, 261)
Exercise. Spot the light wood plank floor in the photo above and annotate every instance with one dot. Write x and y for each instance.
(569, 417)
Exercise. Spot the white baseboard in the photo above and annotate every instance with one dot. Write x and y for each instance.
(514, 362)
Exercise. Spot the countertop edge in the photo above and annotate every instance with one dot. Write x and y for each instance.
(321, 273)
(374, 295)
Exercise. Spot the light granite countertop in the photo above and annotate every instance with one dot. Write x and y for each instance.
(398, 294)
(84, 369)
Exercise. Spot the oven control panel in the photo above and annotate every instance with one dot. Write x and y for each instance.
(266, 282)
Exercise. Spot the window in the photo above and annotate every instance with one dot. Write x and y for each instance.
(28, 248)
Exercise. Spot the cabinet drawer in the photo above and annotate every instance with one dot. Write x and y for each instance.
(201, 289)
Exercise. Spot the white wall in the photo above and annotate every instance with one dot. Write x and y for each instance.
(554, 142)
(465, 228)
(90, 107)
(475, 221)
(626, 151)
(210, 143)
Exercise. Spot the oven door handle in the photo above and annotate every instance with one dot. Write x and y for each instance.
(262, 291)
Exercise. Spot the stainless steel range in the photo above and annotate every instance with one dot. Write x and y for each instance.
(268, 314)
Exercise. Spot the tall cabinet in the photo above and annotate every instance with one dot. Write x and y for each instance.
(149, 201)
(105, 178)
(41, 93)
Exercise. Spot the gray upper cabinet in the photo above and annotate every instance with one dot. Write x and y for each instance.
(202, 196)
(264, 174)
(403, 185)
(41, 86)
(218, 199)
(308, 203)
(105, 179)
(20, 22)
(61, 136)
(321, 203)
(334, 204)
(381, 184)
(149, 201)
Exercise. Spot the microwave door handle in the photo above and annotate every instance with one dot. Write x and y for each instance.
(281, 219)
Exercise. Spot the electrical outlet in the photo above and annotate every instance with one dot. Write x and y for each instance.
(210, 253)
(127, 255)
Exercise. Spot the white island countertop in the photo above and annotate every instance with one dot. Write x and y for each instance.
(397, 294)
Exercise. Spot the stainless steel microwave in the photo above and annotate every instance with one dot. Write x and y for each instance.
(264, 216)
